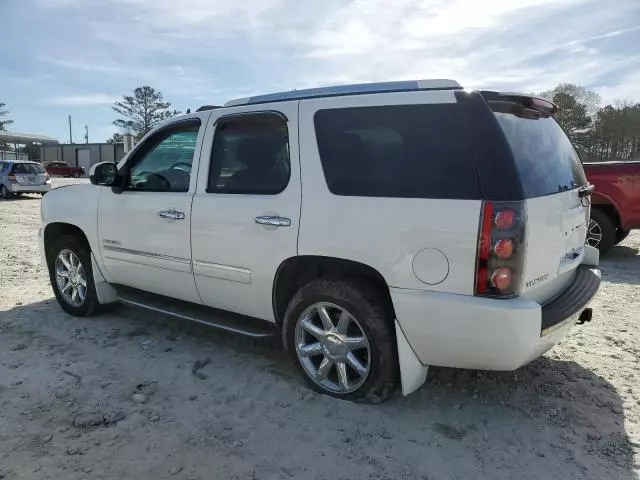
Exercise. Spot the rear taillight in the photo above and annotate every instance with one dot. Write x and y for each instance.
(500, 249)
(12, 177)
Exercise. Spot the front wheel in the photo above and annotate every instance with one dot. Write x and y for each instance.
(69, 262)
(341, 339)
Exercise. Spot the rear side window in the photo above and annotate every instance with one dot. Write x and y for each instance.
(28, 168)
(405, 151)
(546, 161)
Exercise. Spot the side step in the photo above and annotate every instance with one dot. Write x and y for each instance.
(212, 317)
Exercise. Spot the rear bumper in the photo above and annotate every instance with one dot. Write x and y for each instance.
(470, 332)
(572, 301)
(17, 188)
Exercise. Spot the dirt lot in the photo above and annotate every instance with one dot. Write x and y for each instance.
(132, 395)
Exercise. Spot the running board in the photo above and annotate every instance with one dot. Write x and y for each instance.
(212, 317)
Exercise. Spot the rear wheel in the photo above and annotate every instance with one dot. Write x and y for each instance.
(621, 235)
(69, 262)
(602, 231)
(341, 340)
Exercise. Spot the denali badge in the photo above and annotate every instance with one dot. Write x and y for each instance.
(536, 281)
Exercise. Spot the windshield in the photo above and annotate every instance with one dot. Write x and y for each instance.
(545, 158)
(28, 168)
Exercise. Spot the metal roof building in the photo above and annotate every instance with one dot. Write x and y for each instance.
(23, 138)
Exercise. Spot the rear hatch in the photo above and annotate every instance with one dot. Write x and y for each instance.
(554, 184)
(29, 173)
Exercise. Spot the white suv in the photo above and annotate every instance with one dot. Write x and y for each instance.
(380, 228)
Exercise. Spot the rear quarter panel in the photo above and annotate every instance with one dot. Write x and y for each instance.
(384, 233)
(617, 184)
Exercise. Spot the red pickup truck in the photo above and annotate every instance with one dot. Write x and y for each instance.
(615, 203)
(64, 170)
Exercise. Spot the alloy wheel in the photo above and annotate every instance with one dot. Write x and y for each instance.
(594, 235)
(71, 278)
(332, 348)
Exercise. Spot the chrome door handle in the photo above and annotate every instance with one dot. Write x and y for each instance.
(273, 221)
(171, 214)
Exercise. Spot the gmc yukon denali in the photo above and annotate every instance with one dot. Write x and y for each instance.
(377, 229)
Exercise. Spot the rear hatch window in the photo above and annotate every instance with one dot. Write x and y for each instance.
(28, 168)
(545, 159)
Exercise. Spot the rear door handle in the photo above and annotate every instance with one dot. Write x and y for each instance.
(171, 214)
(273, 221)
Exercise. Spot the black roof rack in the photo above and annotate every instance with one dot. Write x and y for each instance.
(207, 107)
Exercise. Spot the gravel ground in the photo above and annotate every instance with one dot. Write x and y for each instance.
(129, 394)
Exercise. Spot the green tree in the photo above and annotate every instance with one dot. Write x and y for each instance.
(616, 133)
(4, 113)
(117, 138)
(142, 111)
(33, 151)
(577, 106)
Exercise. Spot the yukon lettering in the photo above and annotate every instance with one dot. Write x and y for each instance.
(537, 281)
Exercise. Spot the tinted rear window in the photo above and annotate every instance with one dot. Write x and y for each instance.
(28, 168)
(406, 151)
(545, 158)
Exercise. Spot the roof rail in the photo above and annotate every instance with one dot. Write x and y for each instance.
(356, 89)
(208, 107)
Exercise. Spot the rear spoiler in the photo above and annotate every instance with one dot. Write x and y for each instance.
(519, 103)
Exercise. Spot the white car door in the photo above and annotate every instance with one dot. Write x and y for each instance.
(246, 208)
(144, 230)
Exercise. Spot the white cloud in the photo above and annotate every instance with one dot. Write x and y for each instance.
(82, 100)
(207, 51)
(625, 88)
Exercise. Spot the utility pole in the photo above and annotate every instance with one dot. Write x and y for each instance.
(70, 135)
(86, 134)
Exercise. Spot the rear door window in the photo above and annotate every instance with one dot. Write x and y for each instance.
(404, 151)
(546, 161)
(250, 155)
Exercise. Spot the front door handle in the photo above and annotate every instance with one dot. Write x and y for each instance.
(273, 221)
(171, 214)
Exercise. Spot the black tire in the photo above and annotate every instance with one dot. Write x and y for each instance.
(4, 193)
(374, 318)
(621, 235)
(607, 230)
(79, 247)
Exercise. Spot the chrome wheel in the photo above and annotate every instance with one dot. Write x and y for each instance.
(332, 348)
(594, 235)
(71, 278)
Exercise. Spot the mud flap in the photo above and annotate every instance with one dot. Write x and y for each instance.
(104, 291)
(412, 373)
(591, 256)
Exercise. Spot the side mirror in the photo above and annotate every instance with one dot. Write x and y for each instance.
(104, 174)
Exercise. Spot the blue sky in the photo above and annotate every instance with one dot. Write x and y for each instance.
(60, 57)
